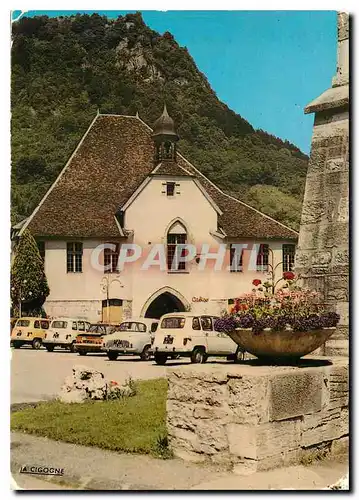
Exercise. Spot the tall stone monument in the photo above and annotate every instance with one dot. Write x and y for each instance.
(323, 248)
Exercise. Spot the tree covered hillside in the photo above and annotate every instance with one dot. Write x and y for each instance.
(65, 69)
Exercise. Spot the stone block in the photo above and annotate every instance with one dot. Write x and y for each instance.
(242, 440)
(324, 426)
(342, 308)
(283, 459)
(312, 211)
(212, 412)
(248, 399)
(340, 446)
(278, 437)
(180, 414)
(295, 394)
(317, 159)
(337, 347)
(198, 372)
(266, 440)
(185, 438)
(308, 237)
(195, 390)
(212, 437)
(336, 165)
(343, 26)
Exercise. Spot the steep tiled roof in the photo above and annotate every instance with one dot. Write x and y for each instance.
(170, 168)
(111, 161)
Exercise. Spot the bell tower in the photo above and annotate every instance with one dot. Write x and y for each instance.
(165, 138)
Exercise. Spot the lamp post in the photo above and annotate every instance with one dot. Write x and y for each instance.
(105, 284)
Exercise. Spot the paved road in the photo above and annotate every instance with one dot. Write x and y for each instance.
(37, 375)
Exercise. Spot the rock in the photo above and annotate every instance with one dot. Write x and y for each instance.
(85, 373)
(89, 384)
(73, 396)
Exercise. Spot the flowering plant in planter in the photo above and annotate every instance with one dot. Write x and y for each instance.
(289, 307)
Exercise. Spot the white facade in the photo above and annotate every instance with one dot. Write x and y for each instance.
(149, 215)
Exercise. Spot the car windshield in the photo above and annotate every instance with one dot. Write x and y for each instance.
(132, 326)
(59, 324)
(111, 329)
(100, 329)
(173, 322)
(23, 322)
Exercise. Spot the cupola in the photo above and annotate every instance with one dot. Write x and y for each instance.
(165, 137)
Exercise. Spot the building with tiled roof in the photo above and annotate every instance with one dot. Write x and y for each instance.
(127, 184)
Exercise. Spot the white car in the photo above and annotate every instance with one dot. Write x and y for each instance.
(193, 336)
(134, 336)
(63, 333)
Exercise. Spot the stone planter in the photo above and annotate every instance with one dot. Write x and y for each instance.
(287, 345)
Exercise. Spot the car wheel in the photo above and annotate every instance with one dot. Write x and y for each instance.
(198, 355)
(160, 358)
(72, 347)
(146, 354)
(36, 344)
(112, 356)
(82, 353)
(205, 358)
(50, 348)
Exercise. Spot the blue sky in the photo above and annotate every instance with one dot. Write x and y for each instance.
(265, 65)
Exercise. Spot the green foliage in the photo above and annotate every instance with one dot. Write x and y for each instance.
(275, 203)
(64, 69)
(28, 280)
(135, 425)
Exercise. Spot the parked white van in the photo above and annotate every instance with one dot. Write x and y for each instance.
(191, 335)
(63, 333)
(134, 336)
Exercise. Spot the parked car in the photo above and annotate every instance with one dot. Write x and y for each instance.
(91, 341)
(193, 336)
(134, 336)
(12, 324)
(63, 333)
(29, 330)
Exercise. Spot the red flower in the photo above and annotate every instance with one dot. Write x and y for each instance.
(288, 275)
(113, 382)
(256, 282)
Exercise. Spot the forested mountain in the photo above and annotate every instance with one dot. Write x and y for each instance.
(64, 69)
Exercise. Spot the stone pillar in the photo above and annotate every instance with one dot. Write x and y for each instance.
(323, 247)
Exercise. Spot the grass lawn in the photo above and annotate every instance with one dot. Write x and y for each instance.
(136, 424)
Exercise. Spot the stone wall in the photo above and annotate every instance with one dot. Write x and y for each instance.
(87, 309)
(323, 247)
(255, 418)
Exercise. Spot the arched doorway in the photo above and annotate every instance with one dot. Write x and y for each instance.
(163, 304)
(164, 301)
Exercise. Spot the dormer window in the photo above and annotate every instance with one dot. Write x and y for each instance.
(170, 188)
